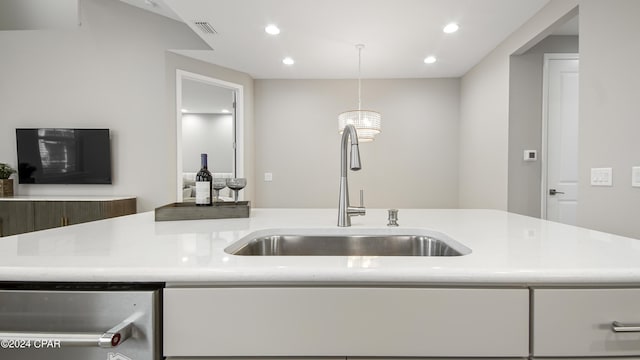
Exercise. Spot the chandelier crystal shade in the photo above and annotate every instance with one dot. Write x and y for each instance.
(366, 122)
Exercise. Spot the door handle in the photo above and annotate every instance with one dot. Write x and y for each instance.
(554, 191)
(617, 326)
(108, 339)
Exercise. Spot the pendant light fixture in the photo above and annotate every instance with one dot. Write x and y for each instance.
(366, 122)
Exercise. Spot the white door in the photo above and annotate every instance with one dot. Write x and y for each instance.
(560, 185)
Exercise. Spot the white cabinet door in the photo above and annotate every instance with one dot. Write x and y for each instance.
(578, 322)
(313, 321)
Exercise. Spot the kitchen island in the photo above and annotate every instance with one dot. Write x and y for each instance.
(505, 249)
(525, 284)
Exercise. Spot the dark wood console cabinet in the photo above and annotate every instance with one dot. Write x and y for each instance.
(22, 214)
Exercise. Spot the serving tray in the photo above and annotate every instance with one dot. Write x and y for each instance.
(189, 211)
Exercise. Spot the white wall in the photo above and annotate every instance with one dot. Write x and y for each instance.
(609, 113)
(484, 113)
(113, 72)
(210, 134)
(38, 14)
(412, 164)
(110, 73)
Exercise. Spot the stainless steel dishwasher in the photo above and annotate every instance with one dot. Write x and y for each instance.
(80, 321)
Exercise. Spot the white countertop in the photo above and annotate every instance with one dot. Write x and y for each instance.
(507, 249)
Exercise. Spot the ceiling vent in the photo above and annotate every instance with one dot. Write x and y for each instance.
(205, 27)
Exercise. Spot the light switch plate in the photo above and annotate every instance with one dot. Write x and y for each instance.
(635, 176)
(268, 176)
(601, 177)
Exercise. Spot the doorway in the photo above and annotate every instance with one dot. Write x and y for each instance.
(559, 192)
(209, 119)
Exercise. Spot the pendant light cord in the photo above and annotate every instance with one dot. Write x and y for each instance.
(359, 75)
(359, 47)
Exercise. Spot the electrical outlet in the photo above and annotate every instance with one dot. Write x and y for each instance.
(268, 176)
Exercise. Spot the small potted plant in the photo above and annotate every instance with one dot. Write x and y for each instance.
(6, 184)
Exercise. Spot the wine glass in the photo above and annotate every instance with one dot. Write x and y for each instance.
(219, 184)
(236, 184)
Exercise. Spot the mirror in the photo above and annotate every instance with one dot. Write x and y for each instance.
(207, 122)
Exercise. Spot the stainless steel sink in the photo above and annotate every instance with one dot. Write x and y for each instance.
(344, 245)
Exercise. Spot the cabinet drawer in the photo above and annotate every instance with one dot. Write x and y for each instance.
(315, 321)
(578, 322)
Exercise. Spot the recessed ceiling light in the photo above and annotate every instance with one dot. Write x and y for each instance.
(288, 61)
(451, 28)
(185, 110)
(225, 111)
(272, 29)
(429, 59)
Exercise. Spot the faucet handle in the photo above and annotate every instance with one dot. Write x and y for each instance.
(357, 210)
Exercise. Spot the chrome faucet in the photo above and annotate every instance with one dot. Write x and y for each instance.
(345, 211)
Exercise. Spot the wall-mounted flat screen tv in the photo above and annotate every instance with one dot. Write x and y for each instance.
(64, 156)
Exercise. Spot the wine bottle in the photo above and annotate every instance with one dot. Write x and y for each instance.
(204, 182)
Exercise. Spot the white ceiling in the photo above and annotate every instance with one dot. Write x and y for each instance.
(155, 6)
(320, 35)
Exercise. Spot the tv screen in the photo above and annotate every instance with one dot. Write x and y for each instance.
(64, 156)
